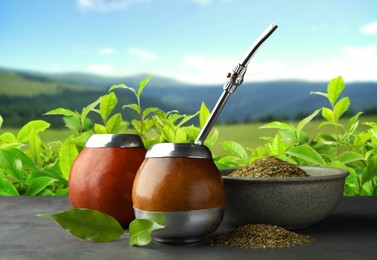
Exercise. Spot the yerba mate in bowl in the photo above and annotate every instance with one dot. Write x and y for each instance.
(289, 202)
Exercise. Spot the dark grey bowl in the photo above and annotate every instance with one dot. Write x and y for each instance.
(293, 203)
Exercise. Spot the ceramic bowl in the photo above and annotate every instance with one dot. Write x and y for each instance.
(293, 203)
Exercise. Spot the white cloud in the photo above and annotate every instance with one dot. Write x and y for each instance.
(369, 29)
(143, 54)
(102, 69)
(106, 51)
(353, 63)
(106, 5)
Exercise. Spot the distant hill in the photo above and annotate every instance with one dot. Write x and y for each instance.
(13, 83)
(266, 100)
(251, 101)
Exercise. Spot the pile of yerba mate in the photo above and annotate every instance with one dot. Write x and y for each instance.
(264, 235)
(269, 167)
(260, 236)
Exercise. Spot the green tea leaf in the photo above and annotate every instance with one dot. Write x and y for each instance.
(113, 123)
(277, 146)
(307, 153)
(340, 107)
(319, 93)
(371, 171)
(27, 162)
(117, 86)
(142, 85)
(32, 126)
(88, 224)
(63, 112)
(8, 137)
(134, 107)
(7, 188)
(180, 136)
(88, 108)
(11, 165)
(328, 114)
(37, 185)
(237, 150)
(141, 231)
(204, 114)
(334, 89)
(278, 125)
(150, 110)
(187, 118)
(211, 139)
(35, 147)
(99, 129)
(305, 121)
(107, 105)
(353, 123)
(350, 157)
(67, 155)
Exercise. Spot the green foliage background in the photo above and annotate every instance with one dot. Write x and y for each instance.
(31, 166)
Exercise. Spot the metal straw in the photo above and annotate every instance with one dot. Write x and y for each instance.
(233, 81)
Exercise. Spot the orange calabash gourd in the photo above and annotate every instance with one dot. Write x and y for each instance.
(102, 179)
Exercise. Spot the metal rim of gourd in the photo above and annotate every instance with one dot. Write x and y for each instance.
(179, 150)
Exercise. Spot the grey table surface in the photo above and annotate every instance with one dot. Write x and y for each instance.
(350, 232)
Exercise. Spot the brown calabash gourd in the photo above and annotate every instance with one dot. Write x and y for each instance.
(102, 176)
(178, 184)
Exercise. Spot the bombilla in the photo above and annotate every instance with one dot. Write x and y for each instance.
(233, 81)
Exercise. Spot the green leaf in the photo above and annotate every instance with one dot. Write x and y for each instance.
(319, 93)
(11, 165)
(142, 85)
(350, 157)
(8, 137)
(204, 114)
(277, 146)
(340, 107)
(353, 123)
(371, 171)
(99, 129)
(35, 147)
(117, 86)
(27, 162)
(180, 136)
(334, 89)
(305, 121)
(141, 231)
(67, 155)
(278, 125)
(7, 188)
(113, 123)
(1, 121)
(237, 150)
(63, 112)
(107, 105)
(211, 139)
(87, 109)
(134, 107)
(33, 126)
(38, 184)
(328, 114)
(187, 118)
(307, 153)
(88, 224)
(150, 110)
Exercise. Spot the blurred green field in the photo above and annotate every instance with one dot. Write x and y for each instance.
(249, 134)
(246, 134)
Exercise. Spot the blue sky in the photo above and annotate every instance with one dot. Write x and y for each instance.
(195, 41)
